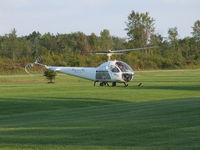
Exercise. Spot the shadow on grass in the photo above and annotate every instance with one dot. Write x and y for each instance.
(15, 105)
(168, 87)
(165, 124)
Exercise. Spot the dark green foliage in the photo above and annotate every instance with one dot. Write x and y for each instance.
(72, 49)
(50, 75)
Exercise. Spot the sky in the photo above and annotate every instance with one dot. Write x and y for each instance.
(92, 16)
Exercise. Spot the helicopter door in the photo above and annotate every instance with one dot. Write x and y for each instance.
(102, 75)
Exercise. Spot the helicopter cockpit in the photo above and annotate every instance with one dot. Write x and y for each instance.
(120, 67)
(124, 69)
(114, 71)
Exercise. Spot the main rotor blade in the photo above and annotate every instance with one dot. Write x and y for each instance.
(121, 51)
(108, 53)
(132, 49)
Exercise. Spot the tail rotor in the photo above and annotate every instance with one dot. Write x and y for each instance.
(37, 62)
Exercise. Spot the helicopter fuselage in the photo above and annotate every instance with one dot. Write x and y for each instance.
(111, 71)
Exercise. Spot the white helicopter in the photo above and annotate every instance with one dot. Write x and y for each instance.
(108, 72)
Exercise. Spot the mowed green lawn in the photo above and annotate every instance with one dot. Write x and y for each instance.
(72, 114)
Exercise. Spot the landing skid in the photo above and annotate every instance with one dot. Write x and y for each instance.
(106, 84)
(101, 83)
(125, 84)
(113, 83)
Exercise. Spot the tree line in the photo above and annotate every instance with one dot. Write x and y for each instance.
(73, 49)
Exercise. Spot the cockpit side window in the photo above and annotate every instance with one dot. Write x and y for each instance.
(114, 68)
(123, 67)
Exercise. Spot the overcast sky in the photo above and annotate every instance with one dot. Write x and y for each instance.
(66, 16)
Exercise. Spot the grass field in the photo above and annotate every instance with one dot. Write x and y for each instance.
(72, 114)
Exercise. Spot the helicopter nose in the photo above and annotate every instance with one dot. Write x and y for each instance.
(127, 77)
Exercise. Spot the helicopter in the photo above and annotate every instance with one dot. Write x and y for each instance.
(112, 71)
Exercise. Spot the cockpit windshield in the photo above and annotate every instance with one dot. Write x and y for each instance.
(114, 68)
(123, 67)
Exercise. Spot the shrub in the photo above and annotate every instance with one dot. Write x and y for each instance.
(50, 75)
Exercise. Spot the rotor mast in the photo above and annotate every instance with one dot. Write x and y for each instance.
(109, 56)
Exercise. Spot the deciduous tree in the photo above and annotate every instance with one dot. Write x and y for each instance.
(196, 30)
(140, 27)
